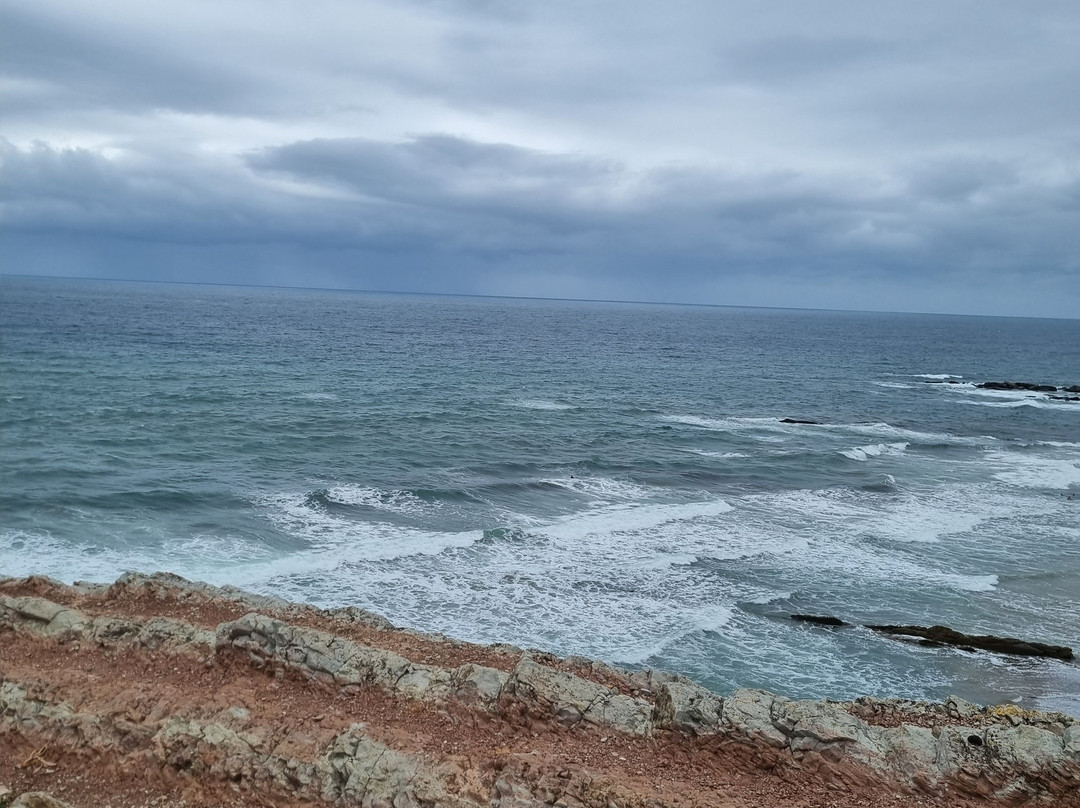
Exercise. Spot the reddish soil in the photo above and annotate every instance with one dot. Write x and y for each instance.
(142, 687)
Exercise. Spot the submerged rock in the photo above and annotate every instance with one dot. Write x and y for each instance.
(824, 620)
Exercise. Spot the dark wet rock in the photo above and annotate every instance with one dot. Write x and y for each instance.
(942, 635)
(1036, 388)
(1071, 389)
(798, 421)
(1066, 398)
(825, 620)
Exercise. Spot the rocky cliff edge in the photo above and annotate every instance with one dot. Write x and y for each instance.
(157, 691)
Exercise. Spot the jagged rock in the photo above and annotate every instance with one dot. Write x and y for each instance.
(961, 709)
(687, 706)
(352, 614)
(817, 726)
(164, 632)
(362, 771)
(650, 681)
(335, 660)
(749, 714)
(1006, 761)
(208, 750)
(1070, 741)
(478, 684)
(574, 699)
(799, 421)
(909, 754)
(47, 619)
(164, 585)
(41, 616)
(942, 635)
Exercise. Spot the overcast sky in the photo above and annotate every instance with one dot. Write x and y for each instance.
(920, 156)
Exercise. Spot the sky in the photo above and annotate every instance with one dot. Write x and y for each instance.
(857, 154)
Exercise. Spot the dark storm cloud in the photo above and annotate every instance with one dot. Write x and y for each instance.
(840, 154)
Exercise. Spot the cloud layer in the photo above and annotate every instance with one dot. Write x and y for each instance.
(848, 155)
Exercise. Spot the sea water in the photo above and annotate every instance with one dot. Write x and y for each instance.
(605, 479)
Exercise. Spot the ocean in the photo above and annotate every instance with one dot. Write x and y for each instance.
(606, 479)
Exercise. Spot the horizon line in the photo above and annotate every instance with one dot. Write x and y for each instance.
(520, 297)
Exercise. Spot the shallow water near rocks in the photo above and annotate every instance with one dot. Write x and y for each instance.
(610, 480)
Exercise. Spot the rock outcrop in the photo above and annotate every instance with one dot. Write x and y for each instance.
(942, 635)
(158, 691)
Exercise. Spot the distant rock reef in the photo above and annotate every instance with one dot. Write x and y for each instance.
(1021, 386)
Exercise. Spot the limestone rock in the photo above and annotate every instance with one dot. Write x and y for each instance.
(749, 714)
(361, 771)
(573, 698)
(41, 616)
(478, 684)
(328, 658)
(826, 729)
(687, 706)
(166, 585)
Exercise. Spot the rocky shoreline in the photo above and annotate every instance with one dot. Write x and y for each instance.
(156, 691)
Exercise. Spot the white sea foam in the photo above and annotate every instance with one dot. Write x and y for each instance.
(894, 385)
(982, 392)
(775, 425)
(400, 502)
(851, 516)
(620, 520)
(912, 436)
(584, 590)
(842, 536)
(726, 424)
(699, 421)
(1035, 471)
(705, 453)
(201, 557)
(936, 376)
(864, 453)
(1040, 404)
(603, 489)
(354, 540)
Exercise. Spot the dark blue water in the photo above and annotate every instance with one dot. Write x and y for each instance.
(596, 478)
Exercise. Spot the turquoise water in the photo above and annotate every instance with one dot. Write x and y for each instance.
(603, 479)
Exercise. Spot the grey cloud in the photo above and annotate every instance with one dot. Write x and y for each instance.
(84, 64)
(608, 150)
(463, 203)
(803, 58)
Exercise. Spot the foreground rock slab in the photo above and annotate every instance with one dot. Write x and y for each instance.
(159, 691)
